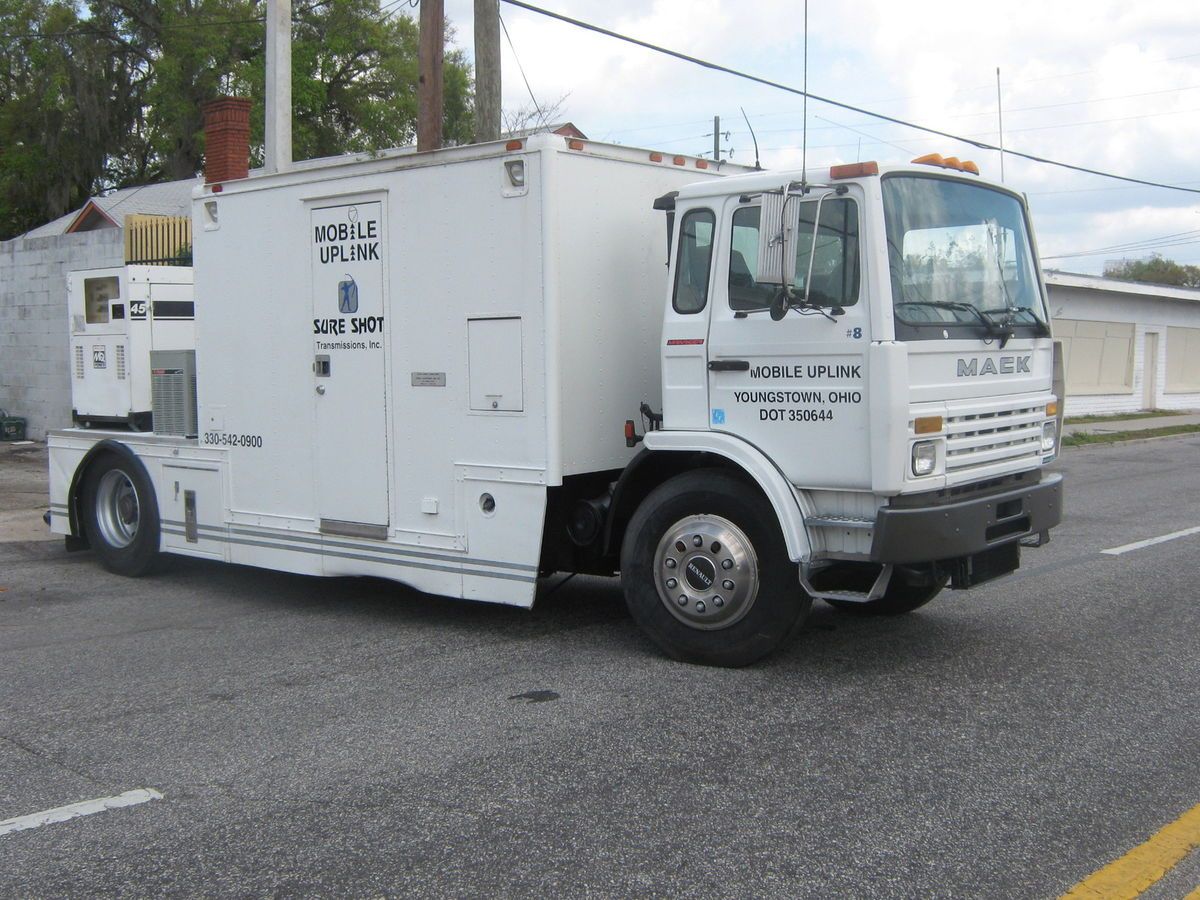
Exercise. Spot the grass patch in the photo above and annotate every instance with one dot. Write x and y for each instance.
(1090, 437)
(1117, 417)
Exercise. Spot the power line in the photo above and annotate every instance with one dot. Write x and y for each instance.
(717, 67)
(521, 69)
(1176, 239)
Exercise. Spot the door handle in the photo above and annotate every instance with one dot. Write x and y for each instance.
(728, 365)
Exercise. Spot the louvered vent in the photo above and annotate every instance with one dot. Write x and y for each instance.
(79, 362)
(120, 362)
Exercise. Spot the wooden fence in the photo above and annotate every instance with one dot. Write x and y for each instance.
(158, 240)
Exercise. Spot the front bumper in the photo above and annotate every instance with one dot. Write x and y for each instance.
(961, 528)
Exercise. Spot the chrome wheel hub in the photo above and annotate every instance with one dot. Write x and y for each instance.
(706, 572)
(117, 510)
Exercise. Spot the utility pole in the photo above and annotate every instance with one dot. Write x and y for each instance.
(430, 49)
(487, 71)
(716, 138)
(277, 149)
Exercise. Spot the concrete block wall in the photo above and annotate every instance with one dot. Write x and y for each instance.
(35, 374)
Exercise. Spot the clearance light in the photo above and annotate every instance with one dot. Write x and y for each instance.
(679, 160)
(656, 157)
(702, 164)
(853, 170)
(927, 425)
(575, 144)
(947, 162)
(1052, 408)
(514, 145)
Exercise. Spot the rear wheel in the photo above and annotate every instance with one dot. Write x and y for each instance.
(706, 572)
(120, 515)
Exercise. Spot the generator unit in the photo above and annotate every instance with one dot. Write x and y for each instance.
(119, 317)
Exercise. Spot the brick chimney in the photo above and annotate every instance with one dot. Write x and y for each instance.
(226, 139)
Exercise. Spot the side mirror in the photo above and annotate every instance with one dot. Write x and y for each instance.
(780, 304)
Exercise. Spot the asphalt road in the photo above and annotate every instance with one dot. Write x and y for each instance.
(351, 738)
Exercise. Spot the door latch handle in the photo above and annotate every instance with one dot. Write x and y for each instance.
(728, 365)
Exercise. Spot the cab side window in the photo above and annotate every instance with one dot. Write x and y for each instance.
(835, 261)
(694, 261)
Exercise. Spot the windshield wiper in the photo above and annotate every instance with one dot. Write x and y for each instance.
(1010, 315)
(993, 328)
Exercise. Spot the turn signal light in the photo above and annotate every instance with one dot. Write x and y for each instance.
(1052, 408)
(927, 425)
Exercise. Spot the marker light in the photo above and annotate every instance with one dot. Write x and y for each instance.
(1052, 408)
(924, 457)
(575, 144)
(514, 145)
(853, 170)
(947, 162)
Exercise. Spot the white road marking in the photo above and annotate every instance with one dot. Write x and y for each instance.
(1150, 542)
(75, 810)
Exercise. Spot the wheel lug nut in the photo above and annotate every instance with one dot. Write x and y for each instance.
(670, 563)
(700, 606)
(697, 541)
(718, 601)
(683, 599)
(727, 584)
(727, 564)
(715, 548)
(672, 584)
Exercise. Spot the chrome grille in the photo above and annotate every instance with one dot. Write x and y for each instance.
(995, 438)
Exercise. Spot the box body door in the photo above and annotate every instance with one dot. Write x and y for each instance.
(349, 364)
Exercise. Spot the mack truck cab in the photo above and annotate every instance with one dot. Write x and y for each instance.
(858, 366)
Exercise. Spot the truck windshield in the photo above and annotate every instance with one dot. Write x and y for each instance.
(960, 260)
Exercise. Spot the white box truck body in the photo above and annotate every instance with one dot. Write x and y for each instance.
(423, 366)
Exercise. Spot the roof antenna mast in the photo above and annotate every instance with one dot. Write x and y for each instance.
(804, 127)
(752, 137)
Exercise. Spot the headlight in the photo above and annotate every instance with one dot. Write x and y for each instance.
(924, 457)
(1049, 436)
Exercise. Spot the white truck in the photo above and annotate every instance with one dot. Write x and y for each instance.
(468, 369)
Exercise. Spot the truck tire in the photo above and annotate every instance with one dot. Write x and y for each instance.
(901, 597)
(120, 515)
(706, 573)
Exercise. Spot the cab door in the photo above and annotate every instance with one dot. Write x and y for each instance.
(794, 388)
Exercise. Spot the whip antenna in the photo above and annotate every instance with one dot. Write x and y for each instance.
(752, 137)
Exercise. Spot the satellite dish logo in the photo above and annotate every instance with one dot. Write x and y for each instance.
(348, 296)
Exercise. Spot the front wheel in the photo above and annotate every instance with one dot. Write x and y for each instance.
(120, 515)
(706, 572)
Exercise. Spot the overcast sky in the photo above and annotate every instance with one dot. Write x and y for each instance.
(1108, 85)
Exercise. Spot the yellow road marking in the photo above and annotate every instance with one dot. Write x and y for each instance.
(1127, 877)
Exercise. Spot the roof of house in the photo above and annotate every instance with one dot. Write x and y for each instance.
(1136, 288)
(169, 198)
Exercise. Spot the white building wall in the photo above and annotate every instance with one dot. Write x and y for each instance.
(35, 375)
(1151, 309)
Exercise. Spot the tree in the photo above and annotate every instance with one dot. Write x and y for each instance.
(109, 94)
(1154, 270)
